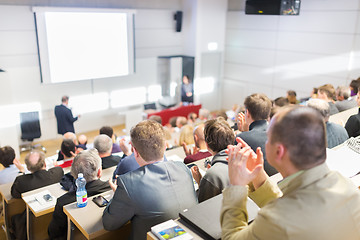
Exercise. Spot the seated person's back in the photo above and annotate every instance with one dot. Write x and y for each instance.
(39, 176)
(257, 111)
(88, 163)
(104, 145)
(153, 193)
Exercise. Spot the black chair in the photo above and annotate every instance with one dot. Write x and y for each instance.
(30, 129)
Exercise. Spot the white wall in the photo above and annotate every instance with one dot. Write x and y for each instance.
(154, 36)
(273, 54)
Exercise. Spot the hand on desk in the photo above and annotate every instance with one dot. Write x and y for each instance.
(245, 165)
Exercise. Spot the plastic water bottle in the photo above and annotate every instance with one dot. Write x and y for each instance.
(81, 193)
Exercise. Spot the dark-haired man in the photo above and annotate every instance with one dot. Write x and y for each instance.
(155, 192)
(218, 135)
(254, 123)
(311, 202)
(64, 116)
(109, 131)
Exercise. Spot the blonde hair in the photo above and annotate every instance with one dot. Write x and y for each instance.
(186, 135)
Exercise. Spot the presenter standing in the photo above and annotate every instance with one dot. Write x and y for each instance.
(187, 91)
(64, 117)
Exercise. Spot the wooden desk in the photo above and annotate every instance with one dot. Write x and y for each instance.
(342, 117)
(11, 206)
(38, 220)
(177, 151)
(92, 227)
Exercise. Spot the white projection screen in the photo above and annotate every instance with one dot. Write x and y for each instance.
(83, 44)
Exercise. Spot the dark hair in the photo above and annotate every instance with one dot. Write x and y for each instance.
(172, 121)
(7, 156)
(67, 146)
(107, 131)
(302, 131)
(355, 85)
(281, 101)
(218, 134)
(258, 105)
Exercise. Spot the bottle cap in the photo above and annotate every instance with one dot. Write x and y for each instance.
(80, 175)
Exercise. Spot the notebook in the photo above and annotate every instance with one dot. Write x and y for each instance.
(205, 217)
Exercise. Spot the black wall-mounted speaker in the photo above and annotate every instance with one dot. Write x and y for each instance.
(178, 19)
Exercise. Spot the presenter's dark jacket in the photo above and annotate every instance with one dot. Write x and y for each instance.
(38, 179)
(150, 195)
(58, 225)
(65, 119)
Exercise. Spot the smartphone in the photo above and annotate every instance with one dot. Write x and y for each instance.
(100, 201)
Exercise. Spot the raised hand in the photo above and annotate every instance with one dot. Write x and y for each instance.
(186, 149)
(196, 174)
(19, 166)
(241, 122)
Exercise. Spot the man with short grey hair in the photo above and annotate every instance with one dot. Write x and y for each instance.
(88, 163)
(335, 133)
(104, 144)
(344, 101)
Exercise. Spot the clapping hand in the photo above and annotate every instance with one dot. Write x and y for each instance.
(188, 151)
(243, 126)
(244, 164)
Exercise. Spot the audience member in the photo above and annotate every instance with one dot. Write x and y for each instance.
(156, 118)
(180, 122)
(352, 125)
(191, 118)
(291, 97)
(311, 202)
(39, 177)
(82, 140)
(128, 163)
(88, 163)
(218, 135)
(253, 124)
(335, 133)
(231, 114)
(110, 132)
(68, 150)
(186, 135)
(72, 137)
(344, 101)
(354, 86)
(200, 150)
(157, 191)
(103, 145)
(281, 102)
(64, 117)
(204, 115)
(12, 166)
(327, 93)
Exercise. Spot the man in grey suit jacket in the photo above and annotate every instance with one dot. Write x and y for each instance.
(157, 191)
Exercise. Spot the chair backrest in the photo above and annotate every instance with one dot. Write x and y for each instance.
(30, 125)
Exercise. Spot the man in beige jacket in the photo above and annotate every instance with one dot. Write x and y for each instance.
(311, 202)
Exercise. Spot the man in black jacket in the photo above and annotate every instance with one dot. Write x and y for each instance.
(253, 125)
(64, 117)
(39, 177)
(104, 145)
(88, 163)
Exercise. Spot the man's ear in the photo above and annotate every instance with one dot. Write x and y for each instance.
(196, 138)
(280, 152)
